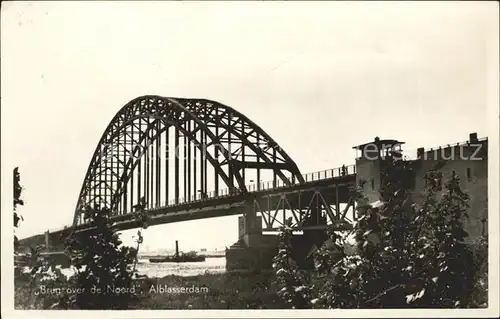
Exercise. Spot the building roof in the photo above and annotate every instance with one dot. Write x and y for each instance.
(381, 143)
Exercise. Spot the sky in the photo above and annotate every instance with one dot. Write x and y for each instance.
(318, 77)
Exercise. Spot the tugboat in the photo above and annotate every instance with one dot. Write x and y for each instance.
(178, 258)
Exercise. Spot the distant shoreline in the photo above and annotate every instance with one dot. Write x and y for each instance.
(206, 255)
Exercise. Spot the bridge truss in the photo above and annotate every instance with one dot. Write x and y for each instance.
(161, 151)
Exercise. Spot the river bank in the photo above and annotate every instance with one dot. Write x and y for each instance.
(207, 291)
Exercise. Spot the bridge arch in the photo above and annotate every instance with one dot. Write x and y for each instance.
(136, 147)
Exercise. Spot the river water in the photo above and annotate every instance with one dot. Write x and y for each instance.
(159, 270)
(211, 265)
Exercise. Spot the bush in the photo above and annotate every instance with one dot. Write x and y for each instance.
(406, 256)
(294, 289)
(31, 270)
(17, 217)
(442, 260)
(478, 297)
(105, 268)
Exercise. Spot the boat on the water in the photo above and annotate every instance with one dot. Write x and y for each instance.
(178, 257)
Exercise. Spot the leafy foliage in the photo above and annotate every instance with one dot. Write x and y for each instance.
(294, 290)
(105, 268)
(334, 267)
(446, 262)
(104, 277)
(32, 270)
(40, 277)
(407, 255)
(17, 201)
(478, 297)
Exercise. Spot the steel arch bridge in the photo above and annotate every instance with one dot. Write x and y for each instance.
(158, 151)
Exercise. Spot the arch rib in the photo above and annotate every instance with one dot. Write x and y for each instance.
(176, 112)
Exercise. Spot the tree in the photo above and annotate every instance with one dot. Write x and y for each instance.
(376, 275)
(17, 201)
(446, 262)
(105, 268)
(335, 268)
(478, 297)
(294, 290)
(407, 255)
(39, 272)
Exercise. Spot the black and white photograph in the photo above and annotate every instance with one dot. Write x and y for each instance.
(250, 159)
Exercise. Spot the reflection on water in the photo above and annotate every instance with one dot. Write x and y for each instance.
(211, 265)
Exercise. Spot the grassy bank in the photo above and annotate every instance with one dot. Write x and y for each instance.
(208, 291)
(212, 291)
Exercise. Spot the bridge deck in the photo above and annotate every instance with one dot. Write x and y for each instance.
(232, 204)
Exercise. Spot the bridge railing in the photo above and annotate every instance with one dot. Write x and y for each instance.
(197, 197)
(330, 173)
(310, 177)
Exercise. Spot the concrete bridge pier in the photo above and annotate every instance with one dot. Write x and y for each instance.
(253, 251)
(250, 228)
